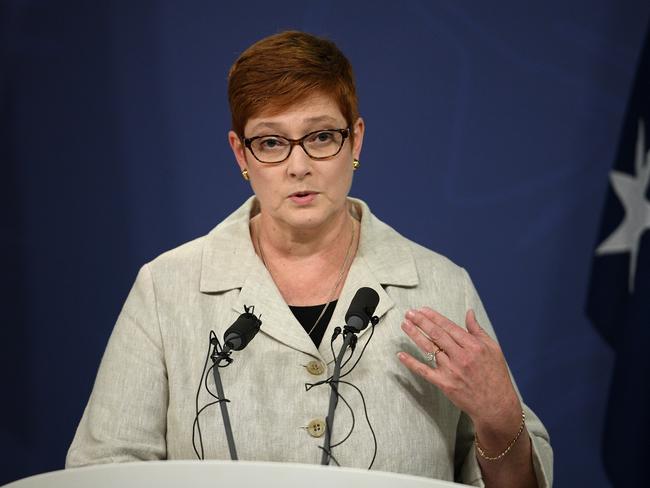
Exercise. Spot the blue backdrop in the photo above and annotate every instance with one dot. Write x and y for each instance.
(499, 121)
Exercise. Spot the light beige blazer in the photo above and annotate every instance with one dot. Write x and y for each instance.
(143, 403)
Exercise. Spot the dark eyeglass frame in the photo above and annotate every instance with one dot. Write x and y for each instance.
(345, 133)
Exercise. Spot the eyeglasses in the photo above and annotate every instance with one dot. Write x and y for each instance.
(318, 145)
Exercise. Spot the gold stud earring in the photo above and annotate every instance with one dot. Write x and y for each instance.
(244, 174)
(355, 164)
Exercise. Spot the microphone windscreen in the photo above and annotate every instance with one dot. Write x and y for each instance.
(242, 331)
(362, 307)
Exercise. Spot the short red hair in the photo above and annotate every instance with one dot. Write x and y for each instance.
(283, 69)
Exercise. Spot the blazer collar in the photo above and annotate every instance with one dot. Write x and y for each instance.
(229, 262)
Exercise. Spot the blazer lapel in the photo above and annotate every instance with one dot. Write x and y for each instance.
(359, 276)
(278, 321)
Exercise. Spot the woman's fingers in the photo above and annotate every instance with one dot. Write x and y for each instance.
(457, 333)
(432, 375)
(424, 343)
(423, 325)
(471, 371)
(452, 338)
(473, 327)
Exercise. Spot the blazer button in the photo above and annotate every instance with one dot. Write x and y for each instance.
(316, 427)
(315, 367)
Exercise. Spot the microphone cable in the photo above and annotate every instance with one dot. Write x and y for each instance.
(365, 412)
(373, 322)
(205, 375)
(308, 386)
(236, 338)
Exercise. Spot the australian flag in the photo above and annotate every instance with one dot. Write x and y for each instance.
(619, 296)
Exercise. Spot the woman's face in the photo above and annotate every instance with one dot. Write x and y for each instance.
(300, 192)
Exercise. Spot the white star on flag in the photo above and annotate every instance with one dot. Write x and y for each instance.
(631, 192)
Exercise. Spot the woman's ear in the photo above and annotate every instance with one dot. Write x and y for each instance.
(358, 129)
(238, 149)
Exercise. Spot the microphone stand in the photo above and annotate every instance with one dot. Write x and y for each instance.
(217, 357)
(349, 337)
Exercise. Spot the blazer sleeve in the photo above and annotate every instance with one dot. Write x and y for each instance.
(125, 419)
(467, 468)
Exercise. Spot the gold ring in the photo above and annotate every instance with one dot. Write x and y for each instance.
(430, 356)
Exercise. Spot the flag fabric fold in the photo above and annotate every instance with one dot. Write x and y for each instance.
(618, 302)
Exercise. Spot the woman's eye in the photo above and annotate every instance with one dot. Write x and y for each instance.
(271, 143)
(322, 137)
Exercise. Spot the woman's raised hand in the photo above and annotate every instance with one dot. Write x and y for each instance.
(469, 368)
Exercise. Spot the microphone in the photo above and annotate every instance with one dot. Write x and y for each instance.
(236, 338)
(359, 313)
(242, 331)
(361, 308)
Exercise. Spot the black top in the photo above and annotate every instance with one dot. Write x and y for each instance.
(307, 317)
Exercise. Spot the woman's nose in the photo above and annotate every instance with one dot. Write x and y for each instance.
(298, 163)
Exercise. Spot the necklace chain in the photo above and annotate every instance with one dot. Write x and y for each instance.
(336, 285)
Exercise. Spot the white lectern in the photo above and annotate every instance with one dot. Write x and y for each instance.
(219, 474)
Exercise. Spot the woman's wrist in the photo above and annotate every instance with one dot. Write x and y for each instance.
(496, 431)
(497, 455)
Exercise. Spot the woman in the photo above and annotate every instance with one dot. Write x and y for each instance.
(298, 250)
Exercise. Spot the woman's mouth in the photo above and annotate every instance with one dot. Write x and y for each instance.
(303, 197)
